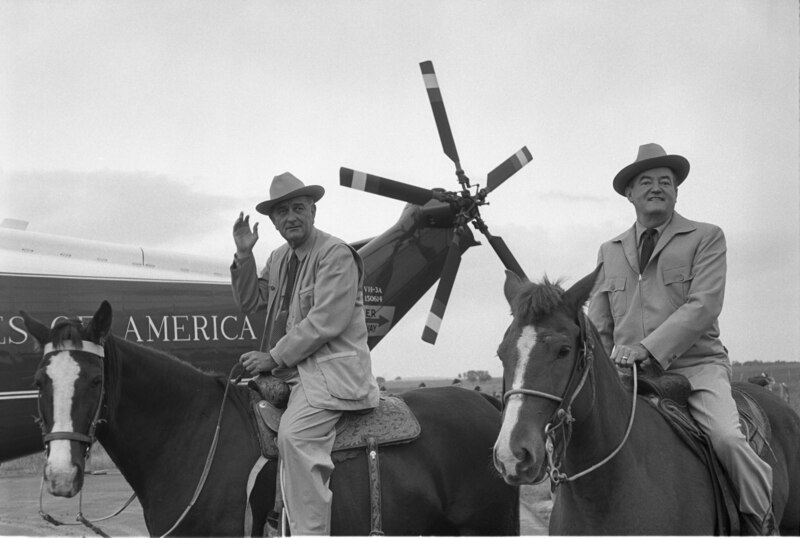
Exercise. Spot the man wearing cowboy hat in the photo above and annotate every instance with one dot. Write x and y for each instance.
(315, 340)
(657, 300)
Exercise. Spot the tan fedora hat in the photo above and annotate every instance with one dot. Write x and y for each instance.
(286, 186)
(651, 156)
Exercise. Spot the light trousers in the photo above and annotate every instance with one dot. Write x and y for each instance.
(305, 440)
(714, 409)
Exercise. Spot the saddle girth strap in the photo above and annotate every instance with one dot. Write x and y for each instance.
(376, 523)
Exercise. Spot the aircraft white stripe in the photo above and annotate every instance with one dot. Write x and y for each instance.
(513, 407)
(522, 158)
(18, 395)
(359, 180)
(116, 279)
(63, 371)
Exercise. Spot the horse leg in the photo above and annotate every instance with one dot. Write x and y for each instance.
(262, 497)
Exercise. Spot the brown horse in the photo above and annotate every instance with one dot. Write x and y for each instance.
(567, 411)
(155, 416)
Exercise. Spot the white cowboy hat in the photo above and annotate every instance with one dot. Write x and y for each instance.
(286, 186)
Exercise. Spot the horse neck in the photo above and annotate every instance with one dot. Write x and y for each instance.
(601, 412)
(158, 396)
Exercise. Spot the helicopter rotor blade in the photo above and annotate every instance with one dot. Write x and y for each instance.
(439, 112)
(504, 253)
(384, 187)
(442, 295)
(507, 168)
(500, 248)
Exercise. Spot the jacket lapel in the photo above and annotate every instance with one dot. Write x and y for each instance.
(629, 247)
(678, 225)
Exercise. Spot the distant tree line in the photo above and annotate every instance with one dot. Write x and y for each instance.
(476, 375)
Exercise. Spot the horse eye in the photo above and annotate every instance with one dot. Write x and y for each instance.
(564, 351)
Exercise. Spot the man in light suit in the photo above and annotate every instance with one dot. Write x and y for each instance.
(661, 302)
(316, 340)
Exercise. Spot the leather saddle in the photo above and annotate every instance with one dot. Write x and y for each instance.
(668, 393)
(392, 422)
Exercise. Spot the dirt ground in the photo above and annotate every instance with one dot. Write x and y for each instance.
(105, 493)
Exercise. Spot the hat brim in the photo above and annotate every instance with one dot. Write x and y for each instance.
(678, 164)
(314, 191)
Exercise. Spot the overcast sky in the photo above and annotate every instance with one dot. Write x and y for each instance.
(155, 123)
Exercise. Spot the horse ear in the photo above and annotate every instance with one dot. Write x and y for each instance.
(37, 329)
(101, 323)
(579, 293)
(512, 286)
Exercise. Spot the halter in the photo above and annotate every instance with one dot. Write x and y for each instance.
(88, 438)
(562, 416)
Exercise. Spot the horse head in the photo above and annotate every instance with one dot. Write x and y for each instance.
(70, 379)
(542, 357)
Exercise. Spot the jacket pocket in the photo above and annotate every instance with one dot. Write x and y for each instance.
(677, 282)
(615, 288)
(306, 300)
(345, 375)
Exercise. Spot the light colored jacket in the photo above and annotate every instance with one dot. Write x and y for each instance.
(673, 307)
(326, 331)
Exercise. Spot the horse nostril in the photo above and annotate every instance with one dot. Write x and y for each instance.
(524, 457)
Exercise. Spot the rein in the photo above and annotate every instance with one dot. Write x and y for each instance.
(563, 414)
(211, 451)
(90, 438)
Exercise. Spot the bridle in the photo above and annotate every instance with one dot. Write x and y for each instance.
(562, 419)
(87, 438)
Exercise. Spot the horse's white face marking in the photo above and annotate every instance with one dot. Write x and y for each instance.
(63, 371)
(513, 407)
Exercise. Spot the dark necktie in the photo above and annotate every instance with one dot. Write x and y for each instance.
(648, 244)
(279, 325)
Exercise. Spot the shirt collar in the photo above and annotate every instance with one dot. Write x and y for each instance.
(305, 248)
(640, 229)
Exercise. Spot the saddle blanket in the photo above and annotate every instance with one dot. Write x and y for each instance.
(392, 422)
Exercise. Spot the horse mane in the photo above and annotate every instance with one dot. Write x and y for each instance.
(535, 301)
(67, 330)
